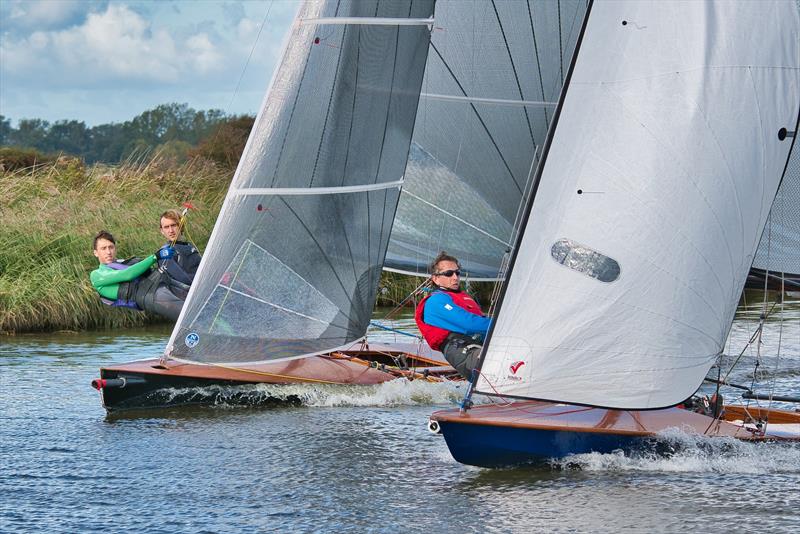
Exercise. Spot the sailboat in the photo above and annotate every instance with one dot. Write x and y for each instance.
(356, 122)
(669, 144)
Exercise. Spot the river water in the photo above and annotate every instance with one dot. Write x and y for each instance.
(350, 459)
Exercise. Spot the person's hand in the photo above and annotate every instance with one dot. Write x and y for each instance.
(166, 252)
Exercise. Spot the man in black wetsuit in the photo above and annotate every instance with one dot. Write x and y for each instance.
(180, 267)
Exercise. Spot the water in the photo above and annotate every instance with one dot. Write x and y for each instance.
(349, 459)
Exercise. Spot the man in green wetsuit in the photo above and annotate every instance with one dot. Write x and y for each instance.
(132, 284)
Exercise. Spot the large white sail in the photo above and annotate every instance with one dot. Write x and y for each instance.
(494, 73)
(663, 165)
(293, 264)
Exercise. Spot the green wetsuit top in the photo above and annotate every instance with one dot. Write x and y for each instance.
(106, 280)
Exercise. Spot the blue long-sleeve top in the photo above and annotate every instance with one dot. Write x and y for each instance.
(441, 311)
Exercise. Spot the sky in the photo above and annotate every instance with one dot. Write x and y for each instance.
(102, 61)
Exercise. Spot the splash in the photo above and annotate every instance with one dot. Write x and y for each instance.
(400, 392)
(679, 452)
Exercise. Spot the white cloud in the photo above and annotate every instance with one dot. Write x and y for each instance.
(152, 52)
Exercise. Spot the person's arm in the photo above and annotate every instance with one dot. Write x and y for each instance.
(441, 311)
(106, 277)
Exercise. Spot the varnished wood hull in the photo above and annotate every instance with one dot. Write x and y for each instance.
(151, 384)
(531, 431)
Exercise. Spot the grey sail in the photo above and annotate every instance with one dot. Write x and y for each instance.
(494, 73)
(779, 249)
(293, 263)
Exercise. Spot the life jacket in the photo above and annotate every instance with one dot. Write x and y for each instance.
(434, 335)
(180, 269)
(125, 293)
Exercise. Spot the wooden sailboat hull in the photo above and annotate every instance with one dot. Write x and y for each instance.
(531, 431)
(150, 384)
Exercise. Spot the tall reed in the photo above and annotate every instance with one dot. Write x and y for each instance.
(51, 213)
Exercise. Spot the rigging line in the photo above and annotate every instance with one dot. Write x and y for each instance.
(514, 70)
(538, 61)
(560, 46)
(252, 49)
(480, 119)
(777, 356)
(321, 249)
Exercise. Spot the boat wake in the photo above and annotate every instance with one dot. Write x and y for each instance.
(680, 452)
(400, 392)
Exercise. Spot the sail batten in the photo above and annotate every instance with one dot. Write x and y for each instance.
(289, 191)
(664, 162)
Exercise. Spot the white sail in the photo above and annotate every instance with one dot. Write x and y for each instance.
(663, 165)
(293, 265)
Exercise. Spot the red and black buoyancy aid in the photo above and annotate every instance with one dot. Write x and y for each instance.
(434, 335)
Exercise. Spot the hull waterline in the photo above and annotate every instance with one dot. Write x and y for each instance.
(535, 432)
(150, 383)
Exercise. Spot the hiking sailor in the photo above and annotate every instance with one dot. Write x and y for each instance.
(449, 319)
(132, 283)
(181, 267)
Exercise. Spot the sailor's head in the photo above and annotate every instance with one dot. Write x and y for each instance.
(105, 247)
(171, 225)
(445, 271)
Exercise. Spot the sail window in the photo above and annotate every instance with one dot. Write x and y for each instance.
(585, 260)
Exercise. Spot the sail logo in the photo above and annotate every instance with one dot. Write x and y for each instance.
(192, 340)
(514, 367)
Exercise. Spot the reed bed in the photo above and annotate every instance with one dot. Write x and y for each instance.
(51, 212)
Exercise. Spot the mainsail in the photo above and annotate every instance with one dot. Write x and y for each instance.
(494, 73)
(293, 263)
(662, 167)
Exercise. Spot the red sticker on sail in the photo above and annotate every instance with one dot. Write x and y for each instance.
(515, 366)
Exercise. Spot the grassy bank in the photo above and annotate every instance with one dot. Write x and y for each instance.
(50, 214)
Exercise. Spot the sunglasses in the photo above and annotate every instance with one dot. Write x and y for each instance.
(449, 273)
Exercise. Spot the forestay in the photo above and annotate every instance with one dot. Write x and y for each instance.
(664, 162)
(494, 73)
(293, 263)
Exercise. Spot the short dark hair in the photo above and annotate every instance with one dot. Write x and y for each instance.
(103, 234)
(443, 256)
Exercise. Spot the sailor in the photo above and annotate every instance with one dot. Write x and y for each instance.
(180, 267)
(132, 283)
(450, 320)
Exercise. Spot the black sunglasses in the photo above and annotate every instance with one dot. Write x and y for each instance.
(449, 273)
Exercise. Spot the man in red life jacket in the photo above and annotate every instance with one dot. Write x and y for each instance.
(449, 319)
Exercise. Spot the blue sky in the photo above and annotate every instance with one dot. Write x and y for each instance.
(103, 61)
